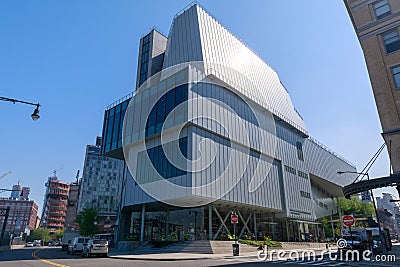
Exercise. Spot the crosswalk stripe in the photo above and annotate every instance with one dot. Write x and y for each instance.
(322, 263)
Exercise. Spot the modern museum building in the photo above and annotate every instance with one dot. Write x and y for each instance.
(211, 130)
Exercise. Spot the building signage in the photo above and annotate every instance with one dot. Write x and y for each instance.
(366, 197)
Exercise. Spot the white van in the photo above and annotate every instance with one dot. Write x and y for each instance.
(76, 244)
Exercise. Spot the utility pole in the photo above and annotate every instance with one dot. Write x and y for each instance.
(4, 212)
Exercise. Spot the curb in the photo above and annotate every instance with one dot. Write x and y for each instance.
(158, 259)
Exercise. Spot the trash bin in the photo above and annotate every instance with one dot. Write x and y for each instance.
(235, 248)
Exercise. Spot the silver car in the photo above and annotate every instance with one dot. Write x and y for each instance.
(76, 245)
(95, 247)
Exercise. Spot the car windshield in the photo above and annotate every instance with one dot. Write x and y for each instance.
(102, 242)
(80, 240)
(354, 238)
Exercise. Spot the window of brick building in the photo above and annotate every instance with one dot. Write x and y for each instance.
(382, 9)
(391, 40)
(396, 75)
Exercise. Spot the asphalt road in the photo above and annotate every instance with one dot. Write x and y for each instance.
(53, 256)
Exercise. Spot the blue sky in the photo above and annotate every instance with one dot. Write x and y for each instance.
(76, 57)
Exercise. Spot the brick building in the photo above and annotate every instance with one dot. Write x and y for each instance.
(376, 24)
(22, 215)
(55, 204)
(72, 206)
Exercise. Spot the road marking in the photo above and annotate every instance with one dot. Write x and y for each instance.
(47, 261)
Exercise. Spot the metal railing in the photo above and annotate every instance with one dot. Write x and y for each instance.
(119, 101)
(331, 151)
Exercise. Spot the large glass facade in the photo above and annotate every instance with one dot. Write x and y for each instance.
(159, 161)
(144, 60)
(177, 225)
(163, 108)
(112, 127)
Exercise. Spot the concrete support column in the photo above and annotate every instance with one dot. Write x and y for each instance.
(167, 227)
(333, 229)
(210, 236)
(287, 231)
(123, 225)
(340, 215)
(131, 223)
(255, 225)
(142, 224)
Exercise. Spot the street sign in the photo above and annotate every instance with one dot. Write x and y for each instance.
(348, 220)
(234, 218)
(3, 212)
(366, 197)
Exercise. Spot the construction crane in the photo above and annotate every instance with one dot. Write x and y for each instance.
(55, 171)
(4, 175)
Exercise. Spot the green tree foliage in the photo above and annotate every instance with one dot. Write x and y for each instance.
(86, 220)
(59, 233)
(353, 206)
(41, 234)
(356, 207)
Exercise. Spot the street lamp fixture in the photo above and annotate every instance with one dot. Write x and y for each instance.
(35, 115)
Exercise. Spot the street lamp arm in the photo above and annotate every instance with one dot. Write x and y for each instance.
(2, 190)
(35, 115)
(9, 190)
(18, 101)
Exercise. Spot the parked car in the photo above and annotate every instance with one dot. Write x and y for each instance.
(67, 237)
(95, 247)
(37, 243)
(76, 245)
(29, 244)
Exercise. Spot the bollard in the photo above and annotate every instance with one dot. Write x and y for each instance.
(235, 249)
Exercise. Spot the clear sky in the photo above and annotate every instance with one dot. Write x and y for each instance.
(75, 57)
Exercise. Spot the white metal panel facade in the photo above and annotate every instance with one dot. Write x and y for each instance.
(213, 44)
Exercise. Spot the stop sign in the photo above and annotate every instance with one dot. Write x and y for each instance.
(234, 218)
(348, 220)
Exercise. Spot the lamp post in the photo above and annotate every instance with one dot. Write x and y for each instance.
(35, 115)
(373, 201)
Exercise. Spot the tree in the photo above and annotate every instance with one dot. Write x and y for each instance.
(41, 234)
(356, 206)
(58, 234)
(86, 220)
(353, 206)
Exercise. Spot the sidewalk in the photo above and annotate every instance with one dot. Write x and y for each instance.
(17, 246)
